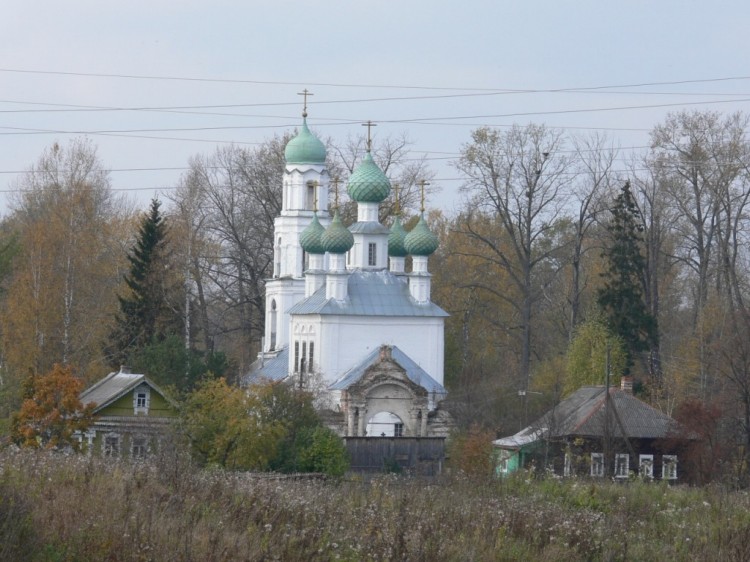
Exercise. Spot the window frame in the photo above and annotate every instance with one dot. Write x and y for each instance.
(372, 254)
(646, 466)
(669, 467)
(622, 465)
(140, 443)
(398, 429)
(597, 465)
(111, 444)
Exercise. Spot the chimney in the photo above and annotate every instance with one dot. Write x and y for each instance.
(626, 384)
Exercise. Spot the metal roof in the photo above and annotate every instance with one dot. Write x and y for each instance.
(416, 374)
(113, 386)
(270, 367)
(371, 293)
(583, 414)
(368, 227)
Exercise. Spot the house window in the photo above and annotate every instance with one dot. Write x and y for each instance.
(568, 466)
(296, 357)
(597, 464)
(139, 447)
(372, 256)
(310, 361)
(398, 429)
(646, 466)
(669, 467)
(622, 465)
(141, 400)
(111, 445)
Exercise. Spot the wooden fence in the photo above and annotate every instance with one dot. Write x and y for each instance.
(423, 456)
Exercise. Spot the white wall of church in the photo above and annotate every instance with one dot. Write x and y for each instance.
(346, 340)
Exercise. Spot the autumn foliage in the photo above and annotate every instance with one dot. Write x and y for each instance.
(52, 412)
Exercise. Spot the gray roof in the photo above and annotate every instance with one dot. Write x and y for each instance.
(271, 367)
(114, 386)
(368, 227)
(583, 414)
(371, 293)
(416, 374)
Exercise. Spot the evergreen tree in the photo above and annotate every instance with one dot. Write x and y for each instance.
(621, 298)
(145, 315)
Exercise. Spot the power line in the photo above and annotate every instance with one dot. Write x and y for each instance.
(349, 85)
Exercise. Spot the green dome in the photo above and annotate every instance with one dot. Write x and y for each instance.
(305, 148)
(396, 240)
(420, 241)
(368, 183)
(310, 238)
(337, 239)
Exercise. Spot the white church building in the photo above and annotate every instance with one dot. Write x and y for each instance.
(343, 317)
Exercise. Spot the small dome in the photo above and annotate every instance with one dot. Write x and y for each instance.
(305, 148)
(368, 183)
(396, 239)
(420, 241)
(337, 239)
(310, 238)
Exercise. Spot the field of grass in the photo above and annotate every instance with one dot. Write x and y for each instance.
(57, 508)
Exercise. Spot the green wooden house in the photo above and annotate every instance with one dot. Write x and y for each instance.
(132, 415)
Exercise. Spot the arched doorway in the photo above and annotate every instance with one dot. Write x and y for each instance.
(385, 424)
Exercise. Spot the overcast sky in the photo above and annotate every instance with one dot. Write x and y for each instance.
(432, 69)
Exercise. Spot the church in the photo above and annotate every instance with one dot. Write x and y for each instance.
(344, 318)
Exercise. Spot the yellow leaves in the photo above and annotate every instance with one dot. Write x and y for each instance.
(53, 413)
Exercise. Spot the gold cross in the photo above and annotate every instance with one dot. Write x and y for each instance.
(369, 126)
(305, 93)
(335, 182)
(423, 183)
(395, 196)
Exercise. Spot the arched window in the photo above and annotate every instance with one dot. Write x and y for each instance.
(272, 345)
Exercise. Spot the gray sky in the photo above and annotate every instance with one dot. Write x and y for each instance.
(432, 69)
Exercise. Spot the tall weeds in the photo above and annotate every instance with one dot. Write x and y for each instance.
(60, 508)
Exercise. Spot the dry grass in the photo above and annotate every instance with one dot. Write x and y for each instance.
(56, 508)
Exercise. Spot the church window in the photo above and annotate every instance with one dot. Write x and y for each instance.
(272, 345)
(372, 257)
(310, 196)
(303, 360)
(310, 362)
(398, 429)
(296, 357)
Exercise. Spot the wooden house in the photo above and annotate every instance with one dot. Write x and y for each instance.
(131, 415)
(597, 433)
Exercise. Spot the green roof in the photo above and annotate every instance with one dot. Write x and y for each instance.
(337, 239)
(368, 183)
(305, 148)
(396, 239)
(420, 241)
(311, 238)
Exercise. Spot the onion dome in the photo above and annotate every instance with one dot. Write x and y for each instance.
(337, 239)
(305, 148)
(420, 241)
(396, 239)
(368, 183)
(310, 238)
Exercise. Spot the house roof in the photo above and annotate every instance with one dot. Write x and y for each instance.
(114, 386)
(370, 293)
(416, 374)
(272, 366)
(584, 412)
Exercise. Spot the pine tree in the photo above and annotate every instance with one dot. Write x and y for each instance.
(621, 298)
(145, 316)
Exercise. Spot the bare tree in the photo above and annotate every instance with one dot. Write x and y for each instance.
(518, 178)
